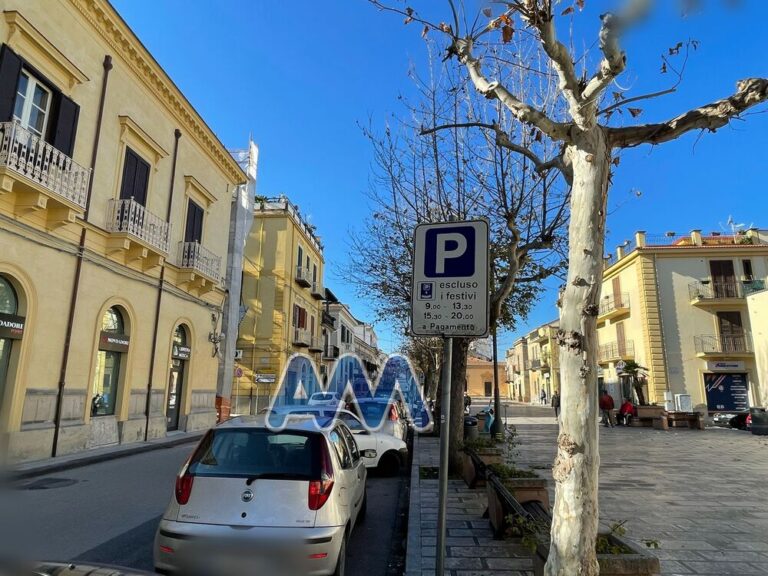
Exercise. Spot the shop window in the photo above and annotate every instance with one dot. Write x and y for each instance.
(113, 344)
(9, 306)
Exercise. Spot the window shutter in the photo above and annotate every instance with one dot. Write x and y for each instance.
(129, 175)
(63, 135)
(141, 182)
(10, 68)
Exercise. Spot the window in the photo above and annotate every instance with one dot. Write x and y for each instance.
(32, 105)
(194, 229)
(488, 388)
(746, 265)
(9, 304)
(299, 317)
(351, 444)
(112, 344)
(340, 448)
(300, 258)
(135, 178)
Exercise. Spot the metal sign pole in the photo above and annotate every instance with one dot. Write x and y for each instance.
(445, 423)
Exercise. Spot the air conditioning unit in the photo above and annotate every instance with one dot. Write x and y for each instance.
(683, 403)
(238, 354)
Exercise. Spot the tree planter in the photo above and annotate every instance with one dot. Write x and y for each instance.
(520, 489)
(473, 477)
(636, 562)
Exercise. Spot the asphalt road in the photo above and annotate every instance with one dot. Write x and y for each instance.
(108, 512)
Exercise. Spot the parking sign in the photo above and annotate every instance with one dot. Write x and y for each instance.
(449, 296)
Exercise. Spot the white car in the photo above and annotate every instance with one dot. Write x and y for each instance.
(324, 399)
(254, 500)
(388, 412)
(391, 452)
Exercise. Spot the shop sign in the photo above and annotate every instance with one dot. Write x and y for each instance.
(265, 378)
(725, 365)
(181, 352)
(728, 392)
(112, 342)
(11, 326)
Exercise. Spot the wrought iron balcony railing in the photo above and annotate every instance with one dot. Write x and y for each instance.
(616, 351)
(130, 217)
(28, 155)
(194, 257)
(715, 290)
(614, 303)
(301, 337)
(302, 276)
(730, 344)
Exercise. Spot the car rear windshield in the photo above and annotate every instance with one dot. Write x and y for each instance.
(373, 412)
(258, 453)
(323, 396)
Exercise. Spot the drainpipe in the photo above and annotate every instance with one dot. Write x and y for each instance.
(79, 265)
(153, 353)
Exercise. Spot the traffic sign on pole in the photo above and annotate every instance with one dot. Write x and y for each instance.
(449, 296)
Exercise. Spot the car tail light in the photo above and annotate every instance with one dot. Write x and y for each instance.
(392, 413)
(184, 483)
(320, 490)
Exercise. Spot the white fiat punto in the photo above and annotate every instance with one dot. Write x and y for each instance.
(253, 499)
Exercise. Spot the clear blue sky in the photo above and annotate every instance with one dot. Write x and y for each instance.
(299, 76)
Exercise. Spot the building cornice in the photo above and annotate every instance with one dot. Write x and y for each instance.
(115, 32)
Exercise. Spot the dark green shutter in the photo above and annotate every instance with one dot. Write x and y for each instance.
(10, 69)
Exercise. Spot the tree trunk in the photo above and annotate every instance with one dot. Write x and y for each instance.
(575, 470)
(458, 378)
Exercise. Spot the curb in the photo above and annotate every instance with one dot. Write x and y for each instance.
(86, 459)
(413, 547)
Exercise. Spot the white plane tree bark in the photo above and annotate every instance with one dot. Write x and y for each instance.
(589, 148)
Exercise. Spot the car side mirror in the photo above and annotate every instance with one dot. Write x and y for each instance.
(368, 453)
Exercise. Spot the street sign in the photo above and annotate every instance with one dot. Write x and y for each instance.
(449, 295)
(620, 365)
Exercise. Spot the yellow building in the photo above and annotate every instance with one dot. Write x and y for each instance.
(480, 377)
(114, 212)
(543, 366)
(283, 293)
(757, 303)
(518, 378)
(676, 305)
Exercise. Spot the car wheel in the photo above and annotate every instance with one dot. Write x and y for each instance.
(363, 508)
(341, 563)
(389, 465)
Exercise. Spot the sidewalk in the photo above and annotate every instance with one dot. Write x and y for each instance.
(470, 547)
(51, 465)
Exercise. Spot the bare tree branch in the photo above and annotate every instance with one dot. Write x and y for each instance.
(750, 92)
(522, 111)
(622, 103)
(614, 60)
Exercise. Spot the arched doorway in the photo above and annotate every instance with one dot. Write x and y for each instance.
(113, 343)
(11, 329)
(180, 353)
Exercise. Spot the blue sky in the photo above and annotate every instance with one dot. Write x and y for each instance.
(301, 76)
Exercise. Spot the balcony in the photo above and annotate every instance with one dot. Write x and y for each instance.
(303, 277)
(614, 351)
(301, 338)
(316, 344)
(330, 352)
(137, 233)
(328, 320)
(535, 364)
(711, 346)
(318, 292)
(200, 267)
(613, 306)
(42, 177)
(346, 347)
(716, 293)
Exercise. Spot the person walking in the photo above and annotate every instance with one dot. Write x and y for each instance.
(556, 403)
(606, 407)
(543, 396)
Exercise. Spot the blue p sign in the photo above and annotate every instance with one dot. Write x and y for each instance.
(450, 252)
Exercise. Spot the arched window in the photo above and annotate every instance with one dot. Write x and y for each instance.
(9, 302)
(113, 343)
(180, 336)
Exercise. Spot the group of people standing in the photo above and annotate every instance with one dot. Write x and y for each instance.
(626, 412)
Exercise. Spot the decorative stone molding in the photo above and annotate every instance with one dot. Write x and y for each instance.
(116, 33)
(134, 136)
(30, 43)
(198, 192)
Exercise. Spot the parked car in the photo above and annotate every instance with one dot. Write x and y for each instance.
(386, 452)
(324, 399)
(67, 569)
(386, 413)
(255, 500)
(738, 420)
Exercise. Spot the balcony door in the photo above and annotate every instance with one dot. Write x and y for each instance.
(617, 293)
(135, 178)
(621, 341)
(731, 332)
(723, 278)
(194, 229)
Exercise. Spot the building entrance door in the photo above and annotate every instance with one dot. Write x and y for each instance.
(175, 384)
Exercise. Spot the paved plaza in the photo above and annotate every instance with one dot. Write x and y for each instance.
(703, 495)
